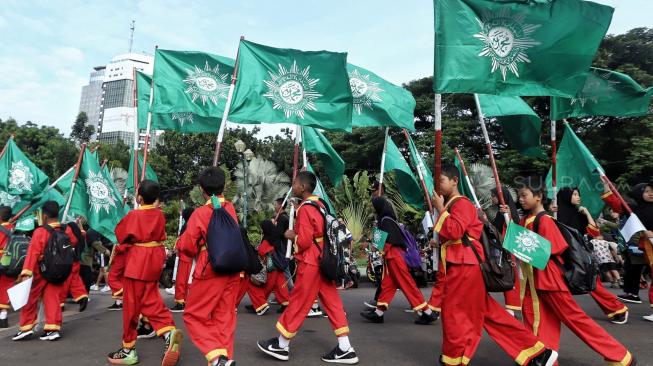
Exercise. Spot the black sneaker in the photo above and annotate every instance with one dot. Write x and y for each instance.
(224, 361)
(629, 298)
(4, 323)
(546, 358)
(620, 318)
(145, 332)
(271, 348)
(178, 308)
(82, 304)
(426, 319)
(339, 356)
(250, 309)
(23, 335)
(315, 312)
(123, 357)
(50, 336)
(115, 306)
(281, 309)
(372, 316)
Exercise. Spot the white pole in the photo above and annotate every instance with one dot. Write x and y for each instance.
(291, 221)
(385, 146)
(223, 123)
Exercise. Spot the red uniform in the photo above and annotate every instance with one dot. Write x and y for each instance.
(5, 281)
(310, 283)
(396, 276)
(276, 282)
(74, 284)
(143, 231)
(117, 265)
(49, 292)
(210, 313)
(467, 308)
(435, 301)
(548, 303)
(184, 266)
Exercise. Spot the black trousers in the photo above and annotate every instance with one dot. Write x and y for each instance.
(86, 273)
(633, 274)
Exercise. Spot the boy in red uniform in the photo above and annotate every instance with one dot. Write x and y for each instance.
(184, 266)
(210, 312)
(467, 308)
(308, 236)
(548, 302)
(41, 289)
(143, 231)
(74, 284)
(5, 281)
(117, 263)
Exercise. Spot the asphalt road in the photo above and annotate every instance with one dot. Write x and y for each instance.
(87, 338)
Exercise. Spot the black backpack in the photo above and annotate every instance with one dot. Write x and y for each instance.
(58, 256)
(580, 269)
(253, 262)
(334, 236)
(225, 244)
(13, 257)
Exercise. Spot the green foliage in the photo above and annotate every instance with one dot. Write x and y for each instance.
(406, 214)
(81, 131)
(171, 212)
(353, 204)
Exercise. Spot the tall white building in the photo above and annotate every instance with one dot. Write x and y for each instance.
(91, 100)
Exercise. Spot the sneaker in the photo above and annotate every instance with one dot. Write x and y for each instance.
(82, 304)
(173, 344)
(4, 323)
(106, 288)
(115, 306)
(426, 319)
(273, 301)
(314, 313)
(122, 357)
(339, 356)
(370, 304)
(144, 332)
(50, 336)
(648, 317)
(281, 309)
(271, 348)
(546, 358)
(178, 308)
(23, 335)
(629, 298)
(620, 318)
(263, 311)
(170, 291)
(224, 361)
(95, 288)
(372, 316)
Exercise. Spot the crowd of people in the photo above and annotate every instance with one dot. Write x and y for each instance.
(131, 269)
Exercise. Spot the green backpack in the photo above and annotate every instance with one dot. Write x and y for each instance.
(13, 257)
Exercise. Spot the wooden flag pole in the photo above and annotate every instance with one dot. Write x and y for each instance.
(554, 163)
(225, 114)
(421, 177)
(295, 166)
(437, 124)
(74, 183)
(148, 129)
(2, 153)
(467, 180)
(385, 146)
(493, 164)
(104, 163)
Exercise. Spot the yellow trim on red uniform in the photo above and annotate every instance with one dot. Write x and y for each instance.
(81, 297)
(211, 356)
(3, 306)
(26, 272)
(341, 331)
(421, 306)
(525, 355)
(54, 224)
(180, 302)
(440, 222)
(261, 307)
(515, 308)
(149, 244)
(624, 362)
(284, 332)
(529, 220)
(165, 330)
(146, 207)
(620, 311)
(51, 327)
(128, 345)
(455, 361)
(606, 195)
(435, 308)
(25, 328)
(382, 304)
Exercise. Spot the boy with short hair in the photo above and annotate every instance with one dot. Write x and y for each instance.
(548, 302)
(308, 236)
(5, 281)
(41, 289)
(143, 231)
(467, 308)
(210, 312)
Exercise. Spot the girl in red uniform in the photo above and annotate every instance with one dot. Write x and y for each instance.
(5, 281)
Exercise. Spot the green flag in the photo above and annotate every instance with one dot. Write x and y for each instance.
(463, 187)
(149, 172)
(408, 186)
(280, 85)
(320, 191)
(95, 198)
(10, 200)
(19, 177)
(378, 102)
(185, 122)
(314, 142)
(527, 245)
(420, 166)
(521, 125)
(577, 167)
(516, 47)
(605, 93)
(378, 238)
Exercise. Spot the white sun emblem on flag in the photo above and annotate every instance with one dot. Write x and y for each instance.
(99, 193)
(364, 91)
(20, 177)
(207, 84)
(506, 39)
(292, 90)
(527, 241)
(594, 88)
(7, 199)
(184, 117)
(377, 236)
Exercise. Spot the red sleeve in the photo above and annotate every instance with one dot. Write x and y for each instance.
(123, 229)
(453, 223)
(549, 230)
(264, 248)
(35, 251)
(72, 236)
(3, 237)
(592, 230)
(611, 200)
(308, 226)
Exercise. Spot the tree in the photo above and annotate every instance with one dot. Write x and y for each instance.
(81, 131)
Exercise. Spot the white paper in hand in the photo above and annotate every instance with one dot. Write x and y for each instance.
(632, 227)
(427, 222)
(19, 294)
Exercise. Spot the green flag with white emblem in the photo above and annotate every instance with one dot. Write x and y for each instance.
(520, 124)
(378, 238)
(20, 179)
(378, 102)
(149, 172)
(320, 191)
(605, 93)
(420, 166)
(280, 85)
(407, 184)
(527, 245)
(516, 47)
(315, 142)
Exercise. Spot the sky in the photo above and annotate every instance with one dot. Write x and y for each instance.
(48, 48)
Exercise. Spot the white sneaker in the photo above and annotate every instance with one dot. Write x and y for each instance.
(95, 288)
(170, 291)
(648, 317)
(106, 289)
(50, 336)
(313, 313)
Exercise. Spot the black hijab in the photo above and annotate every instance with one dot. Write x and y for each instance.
(271, 233)
(499, 219)
(185, 215)
(384, 209)
(568, 213)
(643, 209)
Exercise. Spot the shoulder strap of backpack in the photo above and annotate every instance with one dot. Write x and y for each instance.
(536, 222)
(5, 231)
(324, 216)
